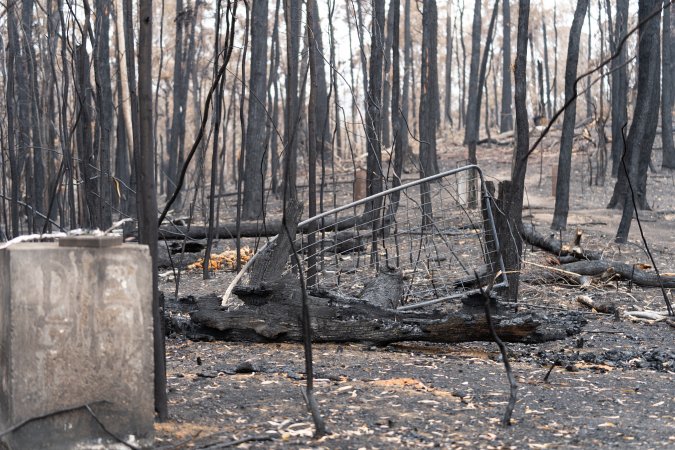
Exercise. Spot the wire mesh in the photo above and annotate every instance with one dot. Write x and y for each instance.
(437, 232)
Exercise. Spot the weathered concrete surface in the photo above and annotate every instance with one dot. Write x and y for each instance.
(75, 330)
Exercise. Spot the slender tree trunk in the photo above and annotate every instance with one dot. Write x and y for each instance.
(619, 85)
(555, 57)
(374, 181)
(549, 113)
(398, 125)
(386, 85)
(513, 192)
(640, 140)
(448, 65)
(668, 81)
(407, 75)
(473, 109)
(292, 110)
(589, 54)
(562, 193)
(506, 120)
(428, 91)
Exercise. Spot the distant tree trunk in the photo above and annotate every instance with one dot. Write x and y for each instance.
(448, 66)
(408, 100)
(549, 113)
(386, 85)
(254, 169)
(323, 129)
(429, 90)
(360, 26)
(374, 181)
(619, 85)
(540, 83)
(668, 82)
(506, 120)
(129, 53)
(104, 108)
(588, 94)
(334, 81)
(178, 113)
(562, 193)
(407, 68)
(273, 103)
(26, 149)
(292, 106)
(398, 126)
(555, 57)
(640, 138)
(462, 108)
(473, 121)
(473, 108)
(85, 143)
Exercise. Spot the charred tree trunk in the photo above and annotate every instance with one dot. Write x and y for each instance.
(473, 108)
(635, 160)
(506, 121)
(104, 109)
(448, 66)
(374, 181)
(562, 193)
(668, 81)
(292, 106)
(254, 169)
(619, 86)
(428, 91)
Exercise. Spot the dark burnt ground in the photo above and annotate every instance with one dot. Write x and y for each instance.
(612, 385)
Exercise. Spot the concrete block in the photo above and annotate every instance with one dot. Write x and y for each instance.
(75, 330)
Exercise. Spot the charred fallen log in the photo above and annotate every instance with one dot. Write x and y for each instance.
(271, 312)
(552, 244)
(626, 271)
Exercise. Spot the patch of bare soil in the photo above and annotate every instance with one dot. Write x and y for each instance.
(611, 386)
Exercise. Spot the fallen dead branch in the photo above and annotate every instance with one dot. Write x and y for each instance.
(627, 271)
(552, 244)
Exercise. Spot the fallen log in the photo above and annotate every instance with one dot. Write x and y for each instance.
(552, 244)
(270, 312)
(626, 271)
(249, 229)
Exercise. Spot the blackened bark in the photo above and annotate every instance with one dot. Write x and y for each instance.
(429, 91)
(448, 66)
(178, 113)
(546, 69)
(147, 198)
(473, 108)
(374, 181)
(254, 169)
(619, 85)
(323, 136)
(407, 69)
(386, 85)
(562, 193)
(104, 108)
(398, 125)
(12, 57)
(84, 141)
(506, 122)
(292, 106)
(512, 192)
(635, 161)
(668, 81)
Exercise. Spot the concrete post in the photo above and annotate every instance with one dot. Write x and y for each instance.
(75, 332)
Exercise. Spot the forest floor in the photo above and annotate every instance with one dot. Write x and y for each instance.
(612, 385)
